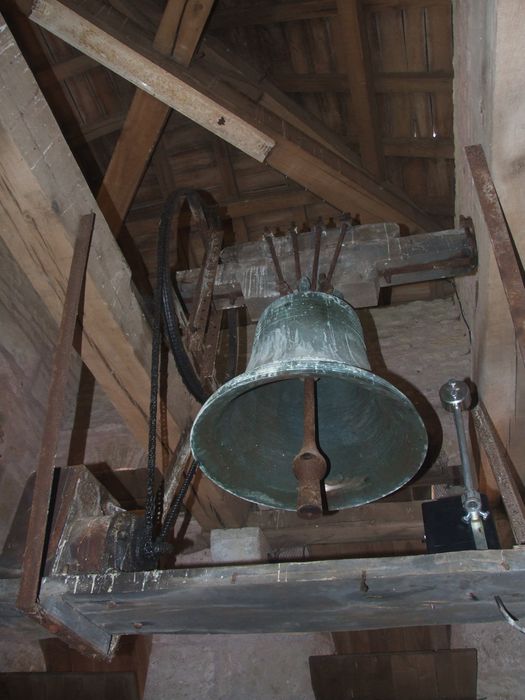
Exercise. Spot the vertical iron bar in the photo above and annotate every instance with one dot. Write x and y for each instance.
(317, 250)
(233, 342)
(469, 478)
(282, 285)
(296, 256)
(501, 239)
(502, 470)
(36, 534)
(337, 253)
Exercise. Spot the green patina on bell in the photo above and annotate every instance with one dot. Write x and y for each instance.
(247, 434)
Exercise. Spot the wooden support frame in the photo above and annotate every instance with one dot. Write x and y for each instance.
(38, 174)
(231, 116)
(349, 24)
(450, 588)
(373, 256)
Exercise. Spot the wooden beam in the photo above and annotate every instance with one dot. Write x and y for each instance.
(181, 25)
(230, 189)
(43, 198)
(144, 123)
(419, 148)
(255, 85)
(354, 44)
(371, 523)
(194, 18)
(268, 13)
(66, 69)
(209, 102)
(310, 82)
(257, 204)
(300, 596)
(406, 83)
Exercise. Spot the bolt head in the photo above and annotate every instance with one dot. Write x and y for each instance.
(455, 394)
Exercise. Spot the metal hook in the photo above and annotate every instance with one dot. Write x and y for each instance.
(508, 616)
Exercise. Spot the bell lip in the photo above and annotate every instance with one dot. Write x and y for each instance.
(280, 371)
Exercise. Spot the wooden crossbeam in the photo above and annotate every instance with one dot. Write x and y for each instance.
(300, 596)
(370, 523)
(269, 13)
(210, 103)
(419, 148)
(407, 83)
(382, 82)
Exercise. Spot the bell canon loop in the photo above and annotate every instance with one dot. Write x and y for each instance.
(249, 432)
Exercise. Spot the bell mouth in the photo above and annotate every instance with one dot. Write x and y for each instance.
(246, 435)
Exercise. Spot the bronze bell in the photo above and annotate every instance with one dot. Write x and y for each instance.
(308, 398)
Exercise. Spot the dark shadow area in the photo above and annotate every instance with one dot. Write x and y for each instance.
(126, 486)
(82, 418)
(421, 403)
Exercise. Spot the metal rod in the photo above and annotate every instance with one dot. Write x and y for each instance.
(282, 285)
(469, 477)
(296, 256)
(502, 470)
(309, 465)
(38, 520)
(309, 411)
(233, 342)
(337, 253)
(455, 396)
(317, 250)
(501, 239)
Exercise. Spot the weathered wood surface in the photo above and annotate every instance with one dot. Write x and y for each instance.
(178, 33)
(61, 686)
(43, 198)
(372, 256)
(298, 597)
(229, 115)
(375, 522)
(448, 674)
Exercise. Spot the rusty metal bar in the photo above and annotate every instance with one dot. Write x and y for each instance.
(201, 309)
(502, 470)
(282, 284)
(33, 561)
(317, 251)
(296, 256)
(501, 239)
(36, 534)
(309, 465)
(209, 348)
(337, 253)
(233, 342)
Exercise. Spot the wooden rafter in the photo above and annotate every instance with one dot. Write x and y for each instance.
(206, 100)
(269, 13)
(351, 42)
(178, 33)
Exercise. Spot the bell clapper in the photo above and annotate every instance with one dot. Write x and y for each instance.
(309, 465)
